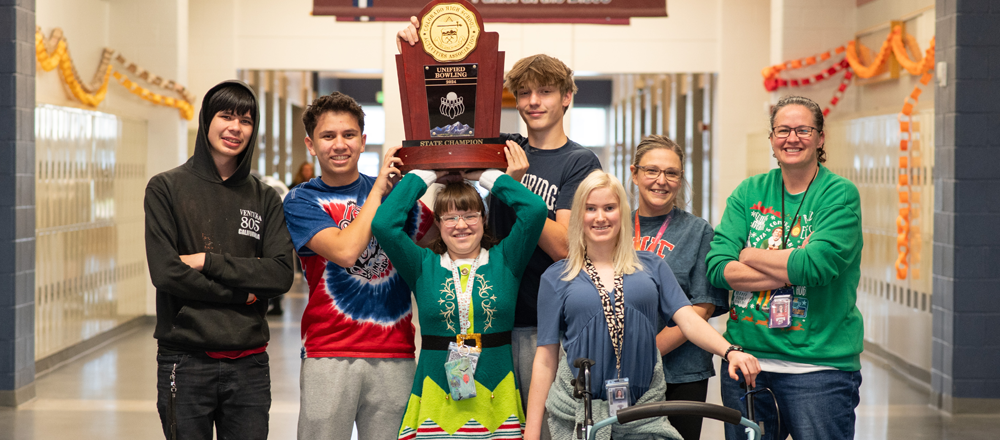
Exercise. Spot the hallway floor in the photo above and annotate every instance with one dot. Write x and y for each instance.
(110, 393)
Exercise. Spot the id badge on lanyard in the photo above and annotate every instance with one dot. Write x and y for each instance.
(781, 308)
(618, 395)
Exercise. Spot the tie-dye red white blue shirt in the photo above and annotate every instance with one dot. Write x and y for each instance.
(360, 311)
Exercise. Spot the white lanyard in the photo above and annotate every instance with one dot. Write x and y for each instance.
(464, 296)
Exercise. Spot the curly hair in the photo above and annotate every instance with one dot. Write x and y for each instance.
(335, 102)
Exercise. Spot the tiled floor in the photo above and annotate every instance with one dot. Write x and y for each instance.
(110, 394)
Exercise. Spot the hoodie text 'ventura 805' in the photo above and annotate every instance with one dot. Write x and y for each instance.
(240, 226)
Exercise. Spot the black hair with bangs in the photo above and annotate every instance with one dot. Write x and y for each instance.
(232, 97)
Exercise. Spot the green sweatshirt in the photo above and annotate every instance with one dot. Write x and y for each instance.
(826, 323)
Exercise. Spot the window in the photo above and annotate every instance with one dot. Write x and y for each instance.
(374, 124)
(589, 126)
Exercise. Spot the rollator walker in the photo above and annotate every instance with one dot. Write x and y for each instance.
(588, 429)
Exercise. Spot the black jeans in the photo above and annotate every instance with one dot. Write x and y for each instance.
(688, 426)
(233, 395)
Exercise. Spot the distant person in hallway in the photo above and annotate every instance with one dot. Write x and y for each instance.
(795, 307)
(605, 302)
(682, 240)
(217, 249)
(465, 285)
(305, 173)
(357, 334)
(544, 88)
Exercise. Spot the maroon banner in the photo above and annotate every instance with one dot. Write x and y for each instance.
(535, 11)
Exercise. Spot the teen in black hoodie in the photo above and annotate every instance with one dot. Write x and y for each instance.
(217, 249)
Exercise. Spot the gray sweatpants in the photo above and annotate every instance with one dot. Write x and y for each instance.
(336, 393)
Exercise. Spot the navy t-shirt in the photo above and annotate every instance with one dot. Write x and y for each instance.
(683, 246)
(553, 175)
(575, 318)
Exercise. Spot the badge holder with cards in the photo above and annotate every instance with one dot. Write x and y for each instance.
(781, 308)
(460, 369)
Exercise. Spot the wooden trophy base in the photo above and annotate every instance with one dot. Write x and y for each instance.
(457, 155)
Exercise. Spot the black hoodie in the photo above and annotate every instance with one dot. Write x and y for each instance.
(240, 226)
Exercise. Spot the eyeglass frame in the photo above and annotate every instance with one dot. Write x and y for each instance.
(476, 218)
(646, 169)
(794, 130)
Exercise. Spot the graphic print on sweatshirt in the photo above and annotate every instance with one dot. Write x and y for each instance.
(250, 223)
(360, 311)
(659, 248)
(546, 190)
(766, 232)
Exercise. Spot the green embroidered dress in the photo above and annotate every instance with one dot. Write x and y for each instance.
(495, 412)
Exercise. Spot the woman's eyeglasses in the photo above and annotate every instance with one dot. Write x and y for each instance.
(802, 131)
(471, 219)
(653, 173)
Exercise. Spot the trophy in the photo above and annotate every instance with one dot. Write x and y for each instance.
(451, 85)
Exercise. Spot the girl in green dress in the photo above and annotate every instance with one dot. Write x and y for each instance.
(479, 310)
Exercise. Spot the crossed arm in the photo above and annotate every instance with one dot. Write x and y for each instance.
(760, 269)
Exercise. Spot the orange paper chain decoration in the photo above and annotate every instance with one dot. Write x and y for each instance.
(60, 58)
(874, 68)
(858, 56)
(898, 49)
(94, 93)
(771, 72)
(839, 93)
(908, 244)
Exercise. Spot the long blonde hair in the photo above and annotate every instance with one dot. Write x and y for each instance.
(624, 258)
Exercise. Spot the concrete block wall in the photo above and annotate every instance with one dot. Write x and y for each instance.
(17, 201)
(967, 208)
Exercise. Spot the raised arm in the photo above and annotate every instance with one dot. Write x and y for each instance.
(529, 207)
(553, 240)
(343, 246)
(166, 270)
(389, 222)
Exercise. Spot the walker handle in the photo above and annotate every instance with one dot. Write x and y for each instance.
(679, 408)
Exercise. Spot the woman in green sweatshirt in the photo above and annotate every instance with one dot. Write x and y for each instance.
(789, 246)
